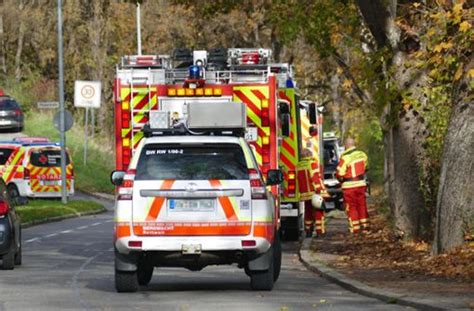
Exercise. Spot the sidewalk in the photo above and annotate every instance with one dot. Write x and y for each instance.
(330, 256)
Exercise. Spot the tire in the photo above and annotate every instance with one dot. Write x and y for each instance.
(263, 280)
(9, 260)
(13, 191)
(126, 282)
(291, 234)
(144, 273)
(339, 205)
(18, 255)
(277, 257)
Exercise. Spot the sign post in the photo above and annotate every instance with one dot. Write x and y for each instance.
(87, 95)
(62, 133)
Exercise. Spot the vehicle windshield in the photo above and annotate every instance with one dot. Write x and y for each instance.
(47, 158)
(5, 154)
(330, 154)
(192, 162)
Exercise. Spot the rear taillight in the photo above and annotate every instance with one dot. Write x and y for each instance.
(291, 184)
(18, 113)
(26, 173)
(125, 191)
(3, 207)
(257, 188)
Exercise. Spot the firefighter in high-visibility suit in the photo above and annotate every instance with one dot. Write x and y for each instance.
(310, 182)
(351, 171)
(318, 206)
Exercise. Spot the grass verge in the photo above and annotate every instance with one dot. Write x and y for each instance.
(93, 177)
(41, 210)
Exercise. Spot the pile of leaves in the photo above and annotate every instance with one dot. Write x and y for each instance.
(384, 249)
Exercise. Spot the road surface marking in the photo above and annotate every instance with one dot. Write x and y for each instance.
(32, 240)
(82, 227)
(96, 224)
(51, 235)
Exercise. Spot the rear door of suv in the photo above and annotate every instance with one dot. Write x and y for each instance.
(192, 190)
(44, 168)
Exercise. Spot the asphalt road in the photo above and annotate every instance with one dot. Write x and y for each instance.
(69, 265)
(9, 135)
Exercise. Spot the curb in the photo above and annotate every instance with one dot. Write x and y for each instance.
(100, 195)
(318, 266)
(59, 218)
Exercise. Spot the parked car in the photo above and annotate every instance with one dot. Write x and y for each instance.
(10, 230)
(11, 115)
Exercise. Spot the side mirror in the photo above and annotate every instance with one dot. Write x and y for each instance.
(285, 124)
(312, 115)
(117, 177)
(274, 177)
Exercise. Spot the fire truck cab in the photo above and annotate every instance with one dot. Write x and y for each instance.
(193, 195)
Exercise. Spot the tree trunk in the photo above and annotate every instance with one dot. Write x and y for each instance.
(3, 63)
(21, 37)
(455, 205)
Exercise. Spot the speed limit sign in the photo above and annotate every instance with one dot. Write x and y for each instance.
(87, 94)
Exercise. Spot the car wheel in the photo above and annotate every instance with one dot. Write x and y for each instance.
(277, 257)
(9, 260)
(144, 273)
(339, 205)
(291, 234)
(126, 282)
(262, 280)
(13, 191)
(18, 255)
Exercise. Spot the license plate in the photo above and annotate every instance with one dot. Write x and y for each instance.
(5, 122)
(199, 205)
(251, 134)
(51, 183)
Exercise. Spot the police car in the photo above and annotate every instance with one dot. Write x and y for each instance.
(196, 200)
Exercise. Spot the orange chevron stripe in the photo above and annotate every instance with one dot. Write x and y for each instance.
(158, 202)
(225, 202)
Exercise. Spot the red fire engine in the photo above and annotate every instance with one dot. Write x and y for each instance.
(161, 82)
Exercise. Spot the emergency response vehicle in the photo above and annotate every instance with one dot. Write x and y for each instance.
(193, 195)
(31, 167)
(147, 83)
(332, 154)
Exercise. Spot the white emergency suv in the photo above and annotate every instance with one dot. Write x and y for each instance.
(31, 167)
(193, 196)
